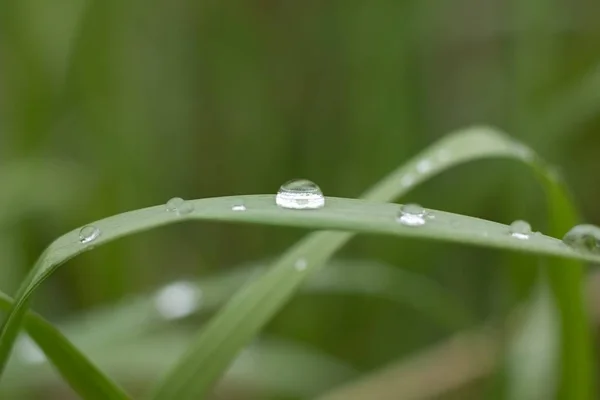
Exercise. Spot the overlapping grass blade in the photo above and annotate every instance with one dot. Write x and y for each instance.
(81, 374)
(136, 317)
(252, 307)
(258, 369)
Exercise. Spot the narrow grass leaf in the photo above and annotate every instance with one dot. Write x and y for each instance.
(80, 373)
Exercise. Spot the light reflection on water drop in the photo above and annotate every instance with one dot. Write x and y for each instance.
(520, 230)
(584, 237)
(411, 215)
(88, 234)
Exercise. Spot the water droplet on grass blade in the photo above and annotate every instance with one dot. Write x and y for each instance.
(520, 230)
(300, 194)
(179, 206)
(584, 237)
(412, 215)
(88, 234)
(238, 207)
(177, 300)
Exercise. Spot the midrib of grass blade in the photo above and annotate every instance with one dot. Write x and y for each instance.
(80, 373)
(250, 309)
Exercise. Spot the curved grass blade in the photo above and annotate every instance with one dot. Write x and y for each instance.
(343, 214)
(251, 308)
(254, 305)
(83, 376)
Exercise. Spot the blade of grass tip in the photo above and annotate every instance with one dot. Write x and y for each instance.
(251, 308)
(79, 372)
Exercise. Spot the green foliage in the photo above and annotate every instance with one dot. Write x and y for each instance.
(114, 105)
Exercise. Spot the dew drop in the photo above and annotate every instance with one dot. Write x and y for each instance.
(88, 234)
(584, 237)
(412, 215)
(300, 264)
(177, 300)
(300, 194)
(179, 206)
(238, 207)
(520, 230)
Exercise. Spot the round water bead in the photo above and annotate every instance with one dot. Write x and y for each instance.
(88, 234)
(584, 237)
(300, 194)
(520, 230)
(412, 215)
(179, 206)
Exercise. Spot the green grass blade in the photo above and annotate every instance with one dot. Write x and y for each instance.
(270, 365)
(139, 316)
(81, 374)
(252, 307)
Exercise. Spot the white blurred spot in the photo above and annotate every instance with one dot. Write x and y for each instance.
(177, 300)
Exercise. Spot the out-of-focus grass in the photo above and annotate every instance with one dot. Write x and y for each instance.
(197, 98)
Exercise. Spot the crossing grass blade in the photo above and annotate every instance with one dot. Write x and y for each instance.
(81, 374)
(251, 308)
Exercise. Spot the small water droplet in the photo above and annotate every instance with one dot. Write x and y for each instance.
(238, 207)
(88, 234)
(424, 166)
(179, 206)
(301, 264)
(584, 237)
(300, 194)
(520, 230)
(177, 300)
(412, 215)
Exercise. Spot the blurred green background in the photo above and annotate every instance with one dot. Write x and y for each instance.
(108, 106)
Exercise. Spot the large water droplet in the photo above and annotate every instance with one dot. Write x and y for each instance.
(300, 194)
(88, 234)
(520, 230)
(177, 300)
(584, 237)
(179, 206)
(412, 215)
